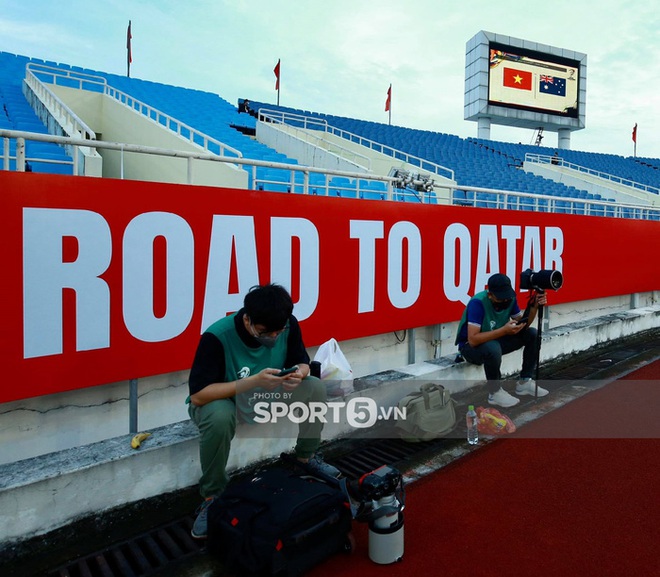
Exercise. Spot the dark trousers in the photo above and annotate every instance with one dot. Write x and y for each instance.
(217, 424)
(490, 354)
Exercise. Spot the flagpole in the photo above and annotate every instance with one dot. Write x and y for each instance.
(276, 70)
(388, 105)
(129, 57)
(389, 120)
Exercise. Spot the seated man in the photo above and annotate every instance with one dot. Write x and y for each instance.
(489, 329)
(237, 357)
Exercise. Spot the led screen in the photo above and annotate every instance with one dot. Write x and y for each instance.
(533, 81)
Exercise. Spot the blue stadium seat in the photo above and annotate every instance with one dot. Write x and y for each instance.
(475, 161)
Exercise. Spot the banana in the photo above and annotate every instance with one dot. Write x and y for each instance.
(499, 423)
(136, 441)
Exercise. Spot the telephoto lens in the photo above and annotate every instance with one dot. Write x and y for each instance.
(541, 280)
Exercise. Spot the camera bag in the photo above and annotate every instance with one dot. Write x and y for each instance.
(278, 523)
(430, 413)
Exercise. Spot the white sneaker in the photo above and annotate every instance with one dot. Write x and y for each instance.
(528, 387)
(502, 399)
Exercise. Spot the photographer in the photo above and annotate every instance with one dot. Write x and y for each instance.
(492, 325)
(238, 356)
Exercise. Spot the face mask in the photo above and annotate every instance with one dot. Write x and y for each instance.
(265, 341)
(268, 342)
(501, 306)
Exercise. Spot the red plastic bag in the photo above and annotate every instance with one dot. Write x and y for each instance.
(491, 422)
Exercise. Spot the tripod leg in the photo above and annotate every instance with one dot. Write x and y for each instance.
(539, 332)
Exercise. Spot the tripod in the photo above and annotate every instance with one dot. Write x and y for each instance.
(539, 335)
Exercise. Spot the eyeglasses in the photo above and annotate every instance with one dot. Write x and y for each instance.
(267, 333)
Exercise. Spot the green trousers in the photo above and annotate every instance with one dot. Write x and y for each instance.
(217, 420)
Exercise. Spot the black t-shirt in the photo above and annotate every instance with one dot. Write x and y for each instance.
(209, 364)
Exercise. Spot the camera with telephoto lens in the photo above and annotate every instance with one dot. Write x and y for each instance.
(383, 481)
(541, 280)
(383, 487)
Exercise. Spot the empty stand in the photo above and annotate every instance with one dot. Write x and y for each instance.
(475, 162)
(497, 165)
(17, 114)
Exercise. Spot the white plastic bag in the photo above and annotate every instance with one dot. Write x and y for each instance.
(335, 368)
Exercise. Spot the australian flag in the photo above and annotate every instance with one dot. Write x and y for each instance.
(552, 85)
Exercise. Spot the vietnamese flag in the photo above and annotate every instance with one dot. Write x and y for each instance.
(517, 79)
(276, 70)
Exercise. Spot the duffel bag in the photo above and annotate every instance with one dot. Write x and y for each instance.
(429, 413)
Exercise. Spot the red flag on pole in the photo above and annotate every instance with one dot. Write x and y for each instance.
(388, 102)
(129, 54)
(634, 133)
(276, 70)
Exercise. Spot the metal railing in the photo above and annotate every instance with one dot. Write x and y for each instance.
(509, 200)
(83, 81)
(290, 120)
(74, 125)
(312, 123)
(298, 180)
(301, 182)
(411, 159)
(545, 159)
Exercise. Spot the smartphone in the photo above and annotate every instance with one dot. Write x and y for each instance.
(288, 371)
(523, 321)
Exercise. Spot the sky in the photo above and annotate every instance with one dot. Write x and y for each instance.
(340, 56)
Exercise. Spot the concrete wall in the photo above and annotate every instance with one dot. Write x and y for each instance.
(42, 425)
(40, 494)
(116, 122)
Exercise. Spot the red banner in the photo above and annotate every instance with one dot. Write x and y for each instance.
(106, 280)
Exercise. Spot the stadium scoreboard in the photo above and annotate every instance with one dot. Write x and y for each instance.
(517, 82)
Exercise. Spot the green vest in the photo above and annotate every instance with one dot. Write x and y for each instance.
(492, 319)
(242, 361)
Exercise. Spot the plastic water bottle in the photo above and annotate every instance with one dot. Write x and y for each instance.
(471, 421)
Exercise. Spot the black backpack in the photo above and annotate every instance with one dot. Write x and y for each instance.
(278, 523)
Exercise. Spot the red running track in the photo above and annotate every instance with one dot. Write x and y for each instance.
(588, 505)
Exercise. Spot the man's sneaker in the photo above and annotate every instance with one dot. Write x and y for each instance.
(200, 526)
(502, 399)
(316, 464)
(528, 387)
